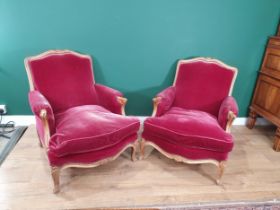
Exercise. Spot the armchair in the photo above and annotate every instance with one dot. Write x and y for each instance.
(191, 119)
(79, 123)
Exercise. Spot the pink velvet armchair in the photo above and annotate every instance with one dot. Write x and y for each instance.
(192, 118)
(79, 123)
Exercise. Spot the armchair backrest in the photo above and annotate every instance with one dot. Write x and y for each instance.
(64, 77)
(203, 83)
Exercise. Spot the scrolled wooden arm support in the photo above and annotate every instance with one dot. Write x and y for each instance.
(231, 117)
(122, 102)
(156, 102)
(44, 118)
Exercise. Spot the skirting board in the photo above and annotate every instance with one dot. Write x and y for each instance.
(26, 120)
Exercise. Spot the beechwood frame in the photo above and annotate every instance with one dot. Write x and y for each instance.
(55, 171)
(230, 118)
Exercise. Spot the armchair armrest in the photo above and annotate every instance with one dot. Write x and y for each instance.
(43, 110)
(163, 101)
(111, 99)
(227, 113)
(38, 102)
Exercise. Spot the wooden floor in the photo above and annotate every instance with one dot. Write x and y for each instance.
(252, 174)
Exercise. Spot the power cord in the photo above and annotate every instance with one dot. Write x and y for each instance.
(4, 127)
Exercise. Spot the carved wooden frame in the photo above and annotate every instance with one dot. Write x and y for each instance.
(55, 170)
(178, 158)
(231, 117)
(220, 164)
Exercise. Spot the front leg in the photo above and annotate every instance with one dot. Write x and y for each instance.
(133, 151)
(221, 169)
(252, 119)
(55, 171)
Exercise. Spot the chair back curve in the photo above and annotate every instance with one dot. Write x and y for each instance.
(203, 83)
(64, 77)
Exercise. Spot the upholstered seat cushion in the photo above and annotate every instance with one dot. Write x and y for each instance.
(89, 128)
(189, 128)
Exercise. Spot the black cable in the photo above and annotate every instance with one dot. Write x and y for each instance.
(6, 125)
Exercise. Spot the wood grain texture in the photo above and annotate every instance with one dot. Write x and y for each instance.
(277, 140)
(252, 173)
(266, 100)
(252, 119)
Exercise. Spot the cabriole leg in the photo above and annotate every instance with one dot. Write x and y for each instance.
(133, 151)
(221, 169)
(55, 171)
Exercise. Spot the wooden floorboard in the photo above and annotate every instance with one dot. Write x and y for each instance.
(252, 174)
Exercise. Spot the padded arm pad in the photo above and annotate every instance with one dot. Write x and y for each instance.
(38, 102)
(163, 101)
(110, 98)
(228, 104)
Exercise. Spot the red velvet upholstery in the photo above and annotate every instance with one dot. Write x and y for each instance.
(107, 97)
(90, 157)
(166, 98)
(39, 102)
(59, 77)
(191, 115)
(84, 117)
(185, 127)
(228, 104)
(191, 153)
(89, 128)
(202, 86)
